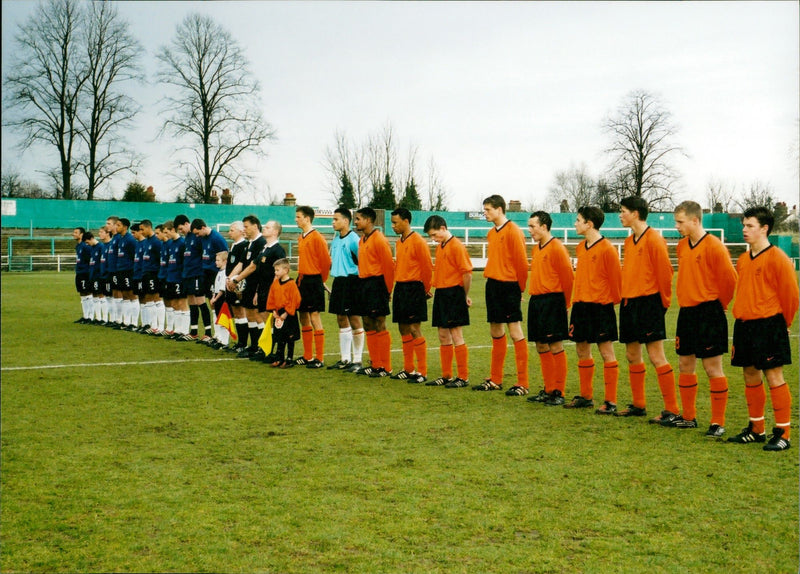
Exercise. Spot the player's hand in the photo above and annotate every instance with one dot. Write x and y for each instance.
(428, 295)
(469, 302)
(327, 289)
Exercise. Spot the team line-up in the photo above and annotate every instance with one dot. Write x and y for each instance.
(167, 272)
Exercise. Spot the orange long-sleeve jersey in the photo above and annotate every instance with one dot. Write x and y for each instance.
(375, 258)
(767, 286)
(705, 272)
(646, 268)
(314, 258)
(452, 263)
(507, 256)
(551, 270)
(598, 276)
(284, 295)
(413, 260)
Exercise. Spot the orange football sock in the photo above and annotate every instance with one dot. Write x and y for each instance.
(719, 400)
(687, 383)
(666, 382)
(408, 352)
(371, 349)
(586, 376)
(446, 359)
(385, 349)
(782, 407)
(547, 365)
(637, 374)
(462, 361)
(756, 399)
(611, 380)
(421, 354)
(521, 361)
(560, 371)
(499, 350)
(319, 345)
(307, 334)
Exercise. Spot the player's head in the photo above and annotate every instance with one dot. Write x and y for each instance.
(495, 202)
(636, 204)
(365, 217)
(401, 221)
(197, 225)
(88, 236)
(111, 224)
(136, 230)
(341, 219)
(344, 212)
(272, 229)
(77, 233)
(543, 218)
(761, 214)
(306, 211)
(221, 259)
(180, 221)
(592, 214)
(252, 226)
(123, 224)
(436, 228)
(282, 267)
(690, 209)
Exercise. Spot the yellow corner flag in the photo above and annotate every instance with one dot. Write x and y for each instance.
(265, 341)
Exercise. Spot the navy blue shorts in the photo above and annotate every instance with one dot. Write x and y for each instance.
(592, 322)
(702, 330)
(761, 343)
(641, 319)
(503, 301)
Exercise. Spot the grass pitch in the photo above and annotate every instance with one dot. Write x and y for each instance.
(122, 452)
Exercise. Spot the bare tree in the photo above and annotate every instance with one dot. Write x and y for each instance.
(45, 81)
(216, 107)
(112, 57)
(436, 194)
(641, 133)
(720, 196)
(346, 161)
(574, 185)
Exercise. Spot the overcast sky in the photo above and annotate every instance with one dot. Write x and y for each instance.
(500, 95)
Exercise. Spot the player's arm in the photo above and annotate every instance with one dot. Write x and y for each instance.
(724, 274)
(662, 269)
(425, 263)
(323, 258)
(565, 275)
(788, 290)
(614, 273)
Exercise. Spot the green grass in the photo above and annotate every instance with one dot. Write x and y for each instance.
(152, 455)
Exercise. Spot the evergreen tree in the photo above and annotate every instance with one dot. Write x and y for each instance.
(411, 199)
(383, 195)
(346, 198)
(137, 192)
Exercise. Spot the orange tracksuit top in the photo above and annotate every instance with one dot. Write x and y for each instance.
(283, 295)
(767, 286)
(313, 255)
(452, 263)
(598, 277)
(646, 268)
(551, 270)
(375, 258)
(705, 272)
(413, 260)
(507, 257)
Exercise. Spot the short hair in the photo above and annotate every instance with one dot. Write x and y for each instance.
(282, 263)
(159, 227)
(690, 208)
(276, 224)
(125, 222)
(87, 235)
(434, 222)
(402, 213)
(180, 220)
(496, 201)
(169, 226)
(197, 224)
(305, 210)
(135, 227)
(81, 229)
(252, 220)
(145, 223)
(113, 218)
(222, 255)
(637, 204)
(237, 224)
(762, 214)
(593, 214)
(544, 218)
(367, 213)
(344, 212)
